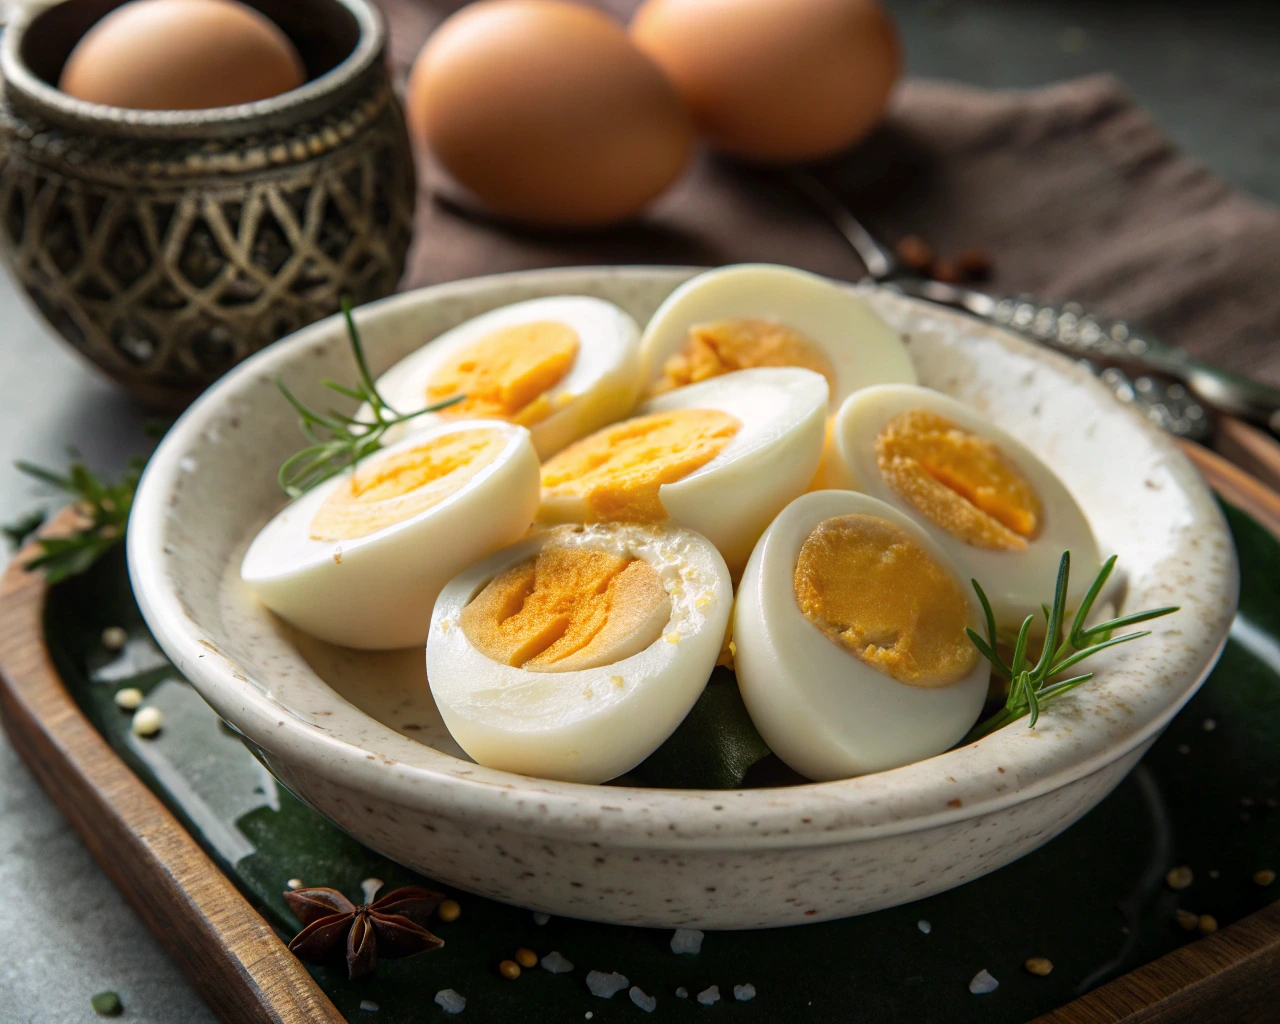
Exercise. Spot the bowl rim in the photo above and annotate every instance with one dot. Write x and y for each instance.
(907, 799)
(309, 99)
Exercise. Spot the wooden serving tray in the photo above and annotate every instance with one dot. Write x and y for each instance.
(238, 963)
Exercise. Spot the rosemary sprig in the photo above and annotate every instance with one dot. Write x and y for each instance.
(339, 441)
(1033, 686)
(104, 507)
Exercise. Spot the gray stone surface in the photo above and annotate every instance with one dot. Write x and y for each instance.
(1209, 73)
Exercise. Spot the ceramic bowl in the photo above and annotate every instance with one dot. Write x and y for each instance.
(356, 735)
(167, 245)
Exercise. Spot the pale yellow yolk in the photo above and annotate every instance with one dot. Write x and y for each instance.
(568, 609)
(959, 481)
(727, 345)
(506, 375)
(617, 471)
(383, 492)
(875, 592)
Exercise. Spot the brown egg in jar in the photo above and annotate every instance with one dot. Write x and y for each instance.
(776, 81)
(182, 55)
(547, 113)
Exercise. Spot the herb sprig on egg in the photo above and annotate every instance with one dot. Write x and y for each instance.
(339, 441)
(1034, 685)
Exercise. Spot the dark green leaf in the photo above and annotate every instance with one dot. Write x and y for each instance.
(712, 748)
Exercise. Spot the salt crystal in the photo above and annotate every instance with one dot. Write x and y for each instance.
(589, 1015)
(686, 940)
(709, 995)
(646, 1003)
(983, 983)
(1209, 725)
(682, 993)
(742, 993)
(370, 887)
(606, 986)
(450, 1001)
(924, 926)
(369, 1004)
(556, 964)
(540, 918)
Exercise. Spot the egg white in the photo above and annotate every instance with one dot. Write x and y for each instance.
(863, 349)
(769, 461)
(1017, 583)
(601, 386)
(821, 709)
(593, 724)
(376, 592)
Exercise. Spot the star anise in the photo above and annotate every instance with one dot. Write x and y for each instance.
(392, 928)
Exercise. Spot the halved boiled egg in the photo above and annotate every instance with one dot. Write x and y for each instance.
(722, 457)
(991, 504)
(562, 366)
(360, 559)
(575, 653)
(849, 629)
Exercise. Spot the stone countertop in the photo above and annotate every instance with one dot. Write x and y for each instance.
(1210, 74)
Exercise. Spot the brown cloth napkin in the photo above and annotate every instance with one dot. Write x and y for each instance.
(1072, 189)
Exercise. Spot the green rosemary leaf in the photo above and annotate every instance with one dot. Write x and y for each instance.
(1086, 606)
(17, 532)
(1032, 688)
(1129, 620)
(62, 483)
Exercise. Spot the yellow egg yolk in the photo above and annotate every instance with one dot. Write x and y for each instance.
(383, 492)
(617, 471)
(567, 609)
(877, 593)
(727, 345)
(506, 375)
(959, 481)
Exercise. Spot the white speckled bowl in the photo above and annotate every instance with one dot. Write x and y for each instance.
(713, 859)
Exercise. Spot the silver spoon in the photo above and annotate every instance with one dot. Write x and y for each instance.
(1175, 390)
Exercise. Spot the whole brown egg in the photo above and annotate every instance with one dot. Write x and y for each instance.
(775, 81)
(182, 55)
(546, 111)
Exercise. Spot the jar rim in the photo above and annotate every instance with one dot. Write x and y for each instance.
(31, 93)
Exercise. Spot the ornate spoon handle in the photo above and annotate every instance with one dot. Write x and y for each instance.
(1174, 389)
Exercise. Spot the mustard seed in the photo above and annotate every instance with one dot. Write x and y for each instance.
(1039, 965)
(1208, 924)
(1187, 920)
(526, 957)
(1264, 877)
(449, 911)
(509, 969)
(1179, 877)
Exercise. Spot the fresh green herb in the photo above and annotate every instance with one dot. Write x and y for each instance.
(1033, 686)
(107, 1004)
(339, 441)
(17, 532)
(104, 510)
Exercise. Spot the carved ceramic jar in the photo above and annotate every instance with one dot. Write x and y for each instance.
(166, 246)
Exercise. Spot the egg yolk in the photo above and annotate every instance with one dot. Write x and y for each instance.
(617, 471)
(383, 492)
(959, 481)
(568, 609)
(506, 375)
(727, 345)
(877, 593)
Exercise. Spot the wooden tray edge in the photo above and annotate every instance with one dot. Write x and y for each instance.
(227, 951)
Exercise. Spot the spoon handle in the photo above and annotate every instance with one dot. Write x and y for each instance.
(1173, 388)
